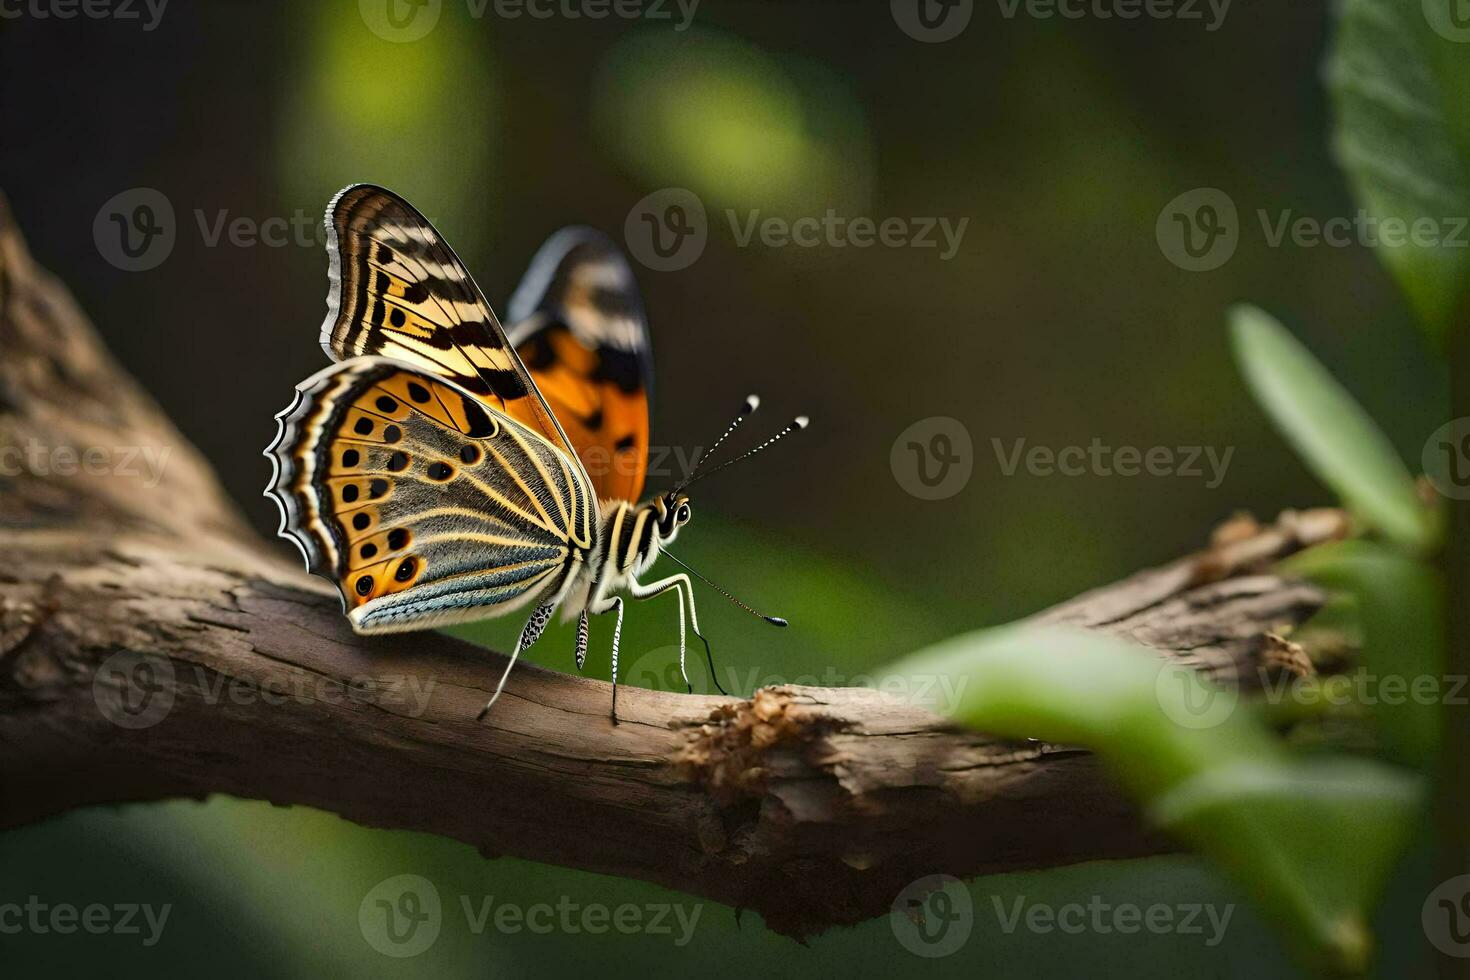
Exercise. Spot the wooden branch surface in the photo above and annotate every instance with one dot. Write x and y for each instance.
(152, 646)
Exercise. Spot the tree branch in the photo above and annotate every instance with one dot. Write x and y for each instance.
(151, 646)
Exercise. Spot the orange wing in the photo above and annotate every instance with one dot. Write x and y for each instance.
(580, 330)
(398, 290)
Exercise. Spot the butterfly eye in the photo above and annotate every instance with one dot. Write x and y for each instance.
(683, 514)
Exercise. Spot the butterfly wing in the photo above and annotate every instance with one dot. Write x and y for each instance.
(423, 504)
(580, 330)
(398, 290)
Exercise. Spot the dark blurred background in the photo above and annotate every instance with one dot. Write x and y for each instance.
(1060, 319)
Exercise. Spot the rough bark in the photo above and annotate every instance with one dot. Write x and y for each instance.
(152, 646)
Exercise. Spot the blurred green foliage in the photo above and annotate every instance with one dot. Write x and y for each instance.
(1330, 431)
(1313, 838)
(1403, 136)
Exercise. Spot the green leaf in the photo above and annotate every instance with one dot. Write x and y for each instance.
(1331, 432)
(1397, 76)
(1400, 604)
(1310, 841)
(1203, 763)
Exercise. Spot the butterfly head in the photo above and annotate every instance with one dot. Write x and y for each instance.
(673, 513)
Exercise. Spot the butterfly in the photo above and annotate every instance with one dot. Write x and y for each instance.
(444, 469)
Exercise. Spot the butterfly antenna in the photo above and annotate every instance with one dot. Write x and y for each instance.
(752, 402)
(773, 620)
(795, 425)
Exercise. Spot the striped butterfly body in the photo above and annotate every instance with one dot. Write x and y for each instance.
(444, 470)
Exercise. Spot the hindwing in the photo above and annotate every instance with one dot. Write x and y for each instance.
(580, 329)
(423, 503)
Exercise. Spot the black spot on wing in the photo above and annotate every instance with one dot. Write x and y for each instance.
(537, 353)
(622, 368)
(505, 382)
(474, 333)
(478, 418)
(616, 302)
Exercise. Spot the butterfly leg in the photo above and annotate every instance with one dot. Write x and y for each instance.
(680, 583)
(640, 591)
(535, 626)
(614, 602)
(582, 640)
(686, 594)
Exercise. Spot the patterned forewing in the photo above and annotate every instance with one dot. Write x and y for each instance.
(398, 290)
